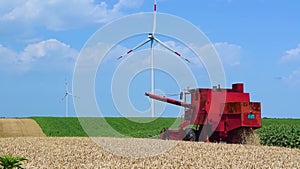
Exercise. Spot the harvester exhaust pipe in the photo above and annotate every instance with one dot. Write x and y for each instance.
(168, 100)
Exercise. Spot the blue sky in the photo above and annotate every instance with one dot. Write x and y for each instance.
(258, 42)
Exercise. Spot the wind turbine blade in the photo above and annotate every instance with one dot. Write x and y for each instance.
(66, 85)
(170, 49)
(135, 48)
(73, 95)
(154, 18)
(62, 99)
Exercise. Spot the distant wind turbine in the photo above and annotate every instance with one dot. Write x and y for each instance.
(66, 97)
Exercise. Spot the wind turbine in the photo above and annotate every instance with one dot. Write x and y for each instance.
(66, 97)
(151, 38)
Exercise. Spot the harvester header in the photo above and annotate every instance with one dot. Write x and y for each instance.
(169, 100)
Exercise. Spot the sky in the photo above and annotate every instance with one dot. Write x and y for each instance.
(258, 42)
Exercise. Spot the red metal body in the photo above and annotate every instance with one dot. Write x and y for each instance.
(215, 114)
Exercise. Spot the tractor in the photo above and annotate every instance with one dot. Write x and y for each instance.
(215, 115)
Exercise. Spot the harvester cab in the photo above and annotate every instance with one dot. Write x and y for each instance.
(215, 115)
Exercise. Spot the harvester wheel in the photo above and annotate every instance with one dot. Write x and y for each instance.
(165, 134)
(189, 135)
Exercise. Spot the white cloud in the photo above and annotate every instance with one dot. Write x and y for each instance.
(293, 79)
(229, 53)
(88, 60)
(49, 55)
(291, 58)
(9, 60)
(7, 55)
(61, 14)
(185, 51)
(291, 55)
(127, 4)
(90, 56)
(48, 48)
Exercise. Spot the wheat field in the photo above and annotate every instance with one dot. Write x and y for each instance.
(12, 127)
(77, 152)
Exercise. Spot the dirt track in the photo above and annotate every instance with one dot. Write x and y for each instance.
(20, 128)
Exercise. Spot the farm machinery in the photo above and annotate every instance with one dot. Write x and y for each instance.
(215, 114)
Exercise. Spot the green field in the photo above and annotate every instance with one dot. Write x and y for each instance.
(276, 132)
(280, 132)
(272, 122)
(60, 126)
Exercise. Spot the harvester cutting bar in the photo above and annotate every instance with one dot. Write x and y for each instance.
(169, 100)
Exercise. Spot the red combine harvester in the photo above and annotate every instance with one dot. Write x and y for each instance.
(217, 115)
